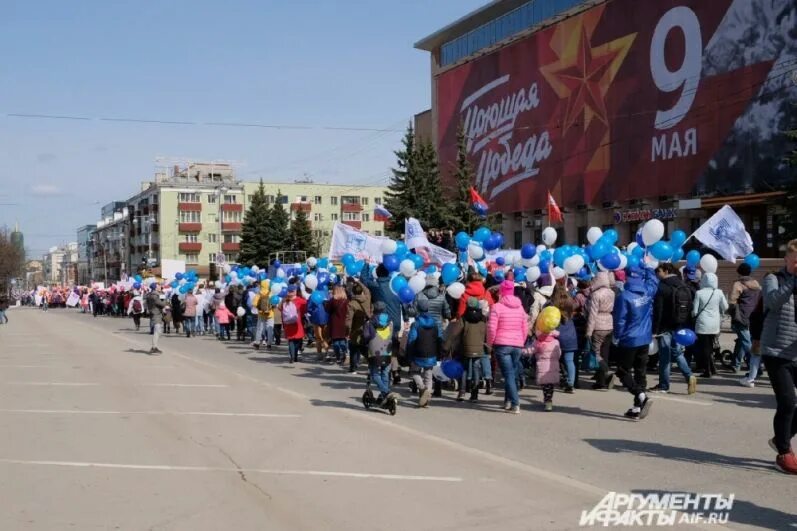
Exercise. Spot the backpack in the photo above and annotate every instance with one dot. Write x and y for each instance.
(290, 315)
(263, 305)
(137, 308)
(681, 299)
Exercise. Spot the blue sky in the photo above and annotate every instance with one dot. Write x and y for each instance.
(347, 63)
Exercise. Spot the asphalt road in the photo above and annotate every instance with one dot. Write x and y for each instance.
(95, 434)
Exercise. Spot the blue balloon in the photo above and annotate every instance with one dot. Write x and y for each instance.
(137, 285)
(611, 261)
(449, 274)
(347, 258)
(352, 268)
(520, 273)
(184, 289)
(559, 256)
(401, 250)
(639, 239)
(528, 251)
(462, 240)
(397, 283)
(500, 260)
(431, 269)
(406, 295)
(323, 263)
(678, 238)
(633, 261)
(452, 369)
(661, 250)
(323, 279)
(677, 255)
(137, 278)
(481, 234)
(498, 275)
(416, 259)
(598, 250)
(500, 238)
(685, 337)
(284, 292)
(277, 264)
(639, 252)
(491, 243)
(178, 276)
(227, 279)
(545, 266)
(546, 256)
(318, 296)
(752, 260)
(482, 269)
(693, 258)
(274, 300)
(333, 268)
(611, 236)
(391, 262)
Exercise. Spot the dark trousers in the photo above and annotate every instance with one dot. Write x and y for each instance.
(137, 320)
(277, 334)
(705, 353)
(601, 344)
(783, 376)
(633, 359)
(224, 331)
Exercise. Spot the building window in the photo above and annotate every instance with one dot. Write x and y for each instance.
(191, 238)
(269, 199)
(317, 200)
(231, 217)
(232, 238)
(191, 258)
(350, 200)
(366, 217)
(364, 201)
(188, 197)
(283, 199)
(377, 200)
(212, 237)
(211, 258)
(231, 258)
(318, 217)
(250, 197)
(351, 216)
(317, 233)
(190, 217)
(333, 200)
(211, 198)
(334, 217)
(230, 199)
(377, 233)
(302, 199)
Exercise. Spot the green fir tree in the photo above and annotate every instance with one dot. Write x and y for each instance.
(255, 244)
(278, 234)
(401, 197)
(301, 234)
(463, 216)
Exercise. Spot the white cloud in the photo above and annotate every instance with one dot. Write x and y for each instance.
(44, 190)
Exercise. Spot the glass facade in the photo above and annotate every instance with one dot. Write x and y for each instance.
(529, 14)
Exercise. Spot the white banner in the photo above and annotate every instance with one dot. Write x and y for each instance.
(73, 300)
(415, 238)
(725, 233)
(348, 240)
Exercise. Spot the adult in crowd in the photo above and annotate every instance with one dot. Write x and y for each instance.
(156, 302)
(264, 333)
(136, 308)
(779, 350)
(745, 294)
(357, 315)
(4, 305)
(381, 292)
(600, 323)
(709, 306)
(190, 305)
(672, 310)
(507, 329)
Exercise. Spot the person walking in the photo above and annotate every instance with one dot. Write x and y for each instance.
(709, 306)
(319, 319)
(424, 346)
(191, 305)
(745, 295)
(177, 312)
(507, 329)
(224, 317)
(779, 351)
(381, 292)
(600, 324)
(264, 332)
(547, 351)
(465, 340)
(338, 309)
(156, 302)
(357, 315)
(633, 330)
(4, 305)
(136, 309)
(292, 308)
(672, 309)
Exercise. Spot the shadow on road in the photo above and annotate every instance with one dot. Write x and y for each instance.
(137, 351)
(688, 455)
(745, 399)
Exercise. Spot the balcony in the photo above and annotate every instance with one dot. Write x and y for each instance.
(301, 207)
(230, 247)
(351, 207)
(189, 207)
(232, 207)
(230, 226)
(190, 247)
(354, 224)
(189, 227)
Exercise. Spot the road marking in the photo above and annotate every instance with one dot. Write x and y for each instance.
(59, 384)
(318, 473)
(682, 400)
(175, 413)
(184, 385)
(32, 367)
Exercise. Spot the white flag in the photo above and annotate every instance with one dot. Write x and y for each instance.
(725, 233)
(415, 238)
(348, 240)
(73, 300)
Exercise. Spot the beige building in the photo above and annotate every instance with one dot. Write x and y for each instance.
(193, 213)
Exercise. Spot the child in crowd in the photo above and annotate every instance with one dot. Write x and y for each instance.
(465, 338)
(292, 308)
(223, 316)
(546, 351)
(424, 345)
(377, 334)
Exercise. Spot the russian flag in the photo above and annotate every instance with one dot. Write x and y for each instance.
(478, 204)
(381, 213)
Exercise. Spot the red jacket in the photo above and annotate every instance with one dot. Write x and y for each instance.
(338, 310)
(295, 330)
(473, 289)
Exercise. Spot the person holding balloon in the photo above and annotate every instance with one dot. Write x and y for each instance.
(547, 352)
(293, 307)
(507, 329)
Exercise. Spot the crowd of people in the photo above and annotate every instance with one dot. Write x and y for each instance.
(551, 331)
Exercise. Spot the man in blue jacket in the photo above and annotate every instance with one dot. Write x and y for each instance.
(633, 330)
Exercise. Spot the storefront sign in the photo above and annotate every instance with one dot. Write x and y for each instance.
(644, 214)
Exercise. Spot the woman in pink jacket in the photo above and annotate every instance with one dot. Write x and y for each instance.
(223, 316)
(189, 313)
(600, 324)
(506, 335)
(547, 353)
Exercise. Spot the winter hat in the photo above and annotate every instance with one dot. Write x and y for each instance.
(379, 307)
(473, 303)
(432, 280)
(422, 305)
(619, 275)
(691, 273)
(744, 270)
(507, 288)
(292, 287)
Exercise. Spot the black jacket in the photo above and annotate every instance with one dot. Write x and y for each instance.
(663, 312)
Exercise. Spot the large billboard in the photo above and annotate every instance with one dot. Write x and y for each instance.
(629, 99)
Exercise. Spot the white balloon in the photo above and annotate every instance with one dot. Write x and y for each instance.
(631, 246)
(456, 290)
(388, 247)
(558, 273)
(594, 234)
(540, 248)
(312, 261)
(512, 258)
(407, 268)
(255, 269)
(623, 262)
(241, 311)
(651, 262)
(227, 268)
(280, 273)
(417, 283)
(311, 281)
(573, 264)
(476, 251)
(708, 263)
(533, 273)
(233, 274)
(600, 266)
(652, 232)
(549, 236)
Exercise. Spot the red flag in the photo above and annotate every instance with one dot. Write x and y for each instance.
(477, 203)
(554, 213)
